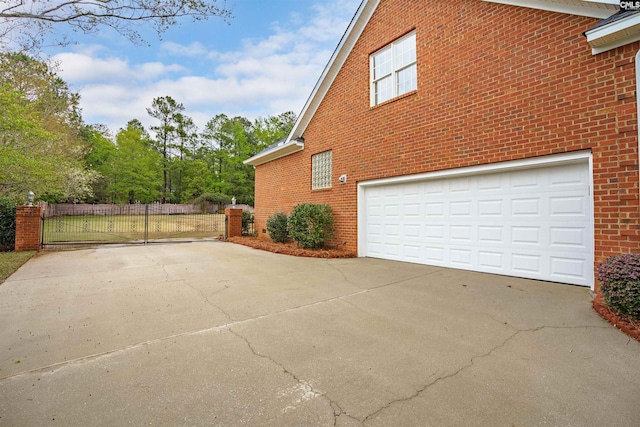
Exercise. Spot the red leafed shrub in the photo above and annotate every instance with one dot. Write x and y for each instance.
(619, 278)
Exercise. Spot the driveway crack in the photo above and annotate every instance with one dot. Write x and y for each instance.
(335, 407)
(445, 377)
(208, 301)
(471, 363)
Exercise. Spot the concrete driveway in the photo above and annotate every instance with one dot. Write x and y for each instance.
(213, 333)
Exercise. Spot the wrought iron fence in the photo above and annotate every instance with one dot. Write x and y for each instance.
(127, 224)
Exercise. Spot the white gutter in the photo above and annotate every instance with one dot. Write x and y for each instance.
(594, 9)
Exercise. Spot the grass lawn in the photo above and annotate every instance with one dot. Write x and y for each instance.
(11, 261)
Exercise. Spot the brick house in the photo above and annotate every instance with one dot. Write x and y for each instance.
(494, 136)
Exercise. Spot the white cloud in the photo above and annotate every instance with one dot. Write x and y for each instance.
(86, 67)
(263, 77)
(176, 49)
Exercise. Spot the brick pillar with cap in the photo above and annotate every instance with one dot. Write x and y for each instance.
(28, 223)
(234, 222)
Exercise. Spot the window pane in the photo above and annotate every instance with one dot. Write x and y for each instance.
(382, 64)
(384, 89)
(321, 170)
(407, 80)
(406, 52)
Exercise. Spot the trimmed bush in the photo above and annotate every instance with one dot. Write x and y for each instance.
(619, 278)
(7, 224)
(310, 225)
(277, 227)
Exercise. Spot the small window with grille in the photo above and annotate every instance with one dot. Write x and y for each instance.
(321, 170)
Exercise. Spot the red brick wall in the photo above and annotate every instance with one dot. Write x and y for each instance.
(495, 83)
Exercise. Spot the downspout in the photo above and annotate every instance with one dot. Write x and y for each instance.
(638, 118)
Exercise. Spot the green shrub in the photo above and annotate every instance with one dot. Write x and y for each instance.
(7, 224)
(247, 222)
(619, 278)
(277, 227)
(310, 225)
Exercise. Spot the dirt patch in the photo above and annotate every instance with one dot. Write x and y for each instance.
(291, 248)
(627, 325)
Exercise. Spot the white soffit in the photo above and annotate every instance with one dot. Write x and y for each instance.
(615, 34)
(594, 9)
(281, 150)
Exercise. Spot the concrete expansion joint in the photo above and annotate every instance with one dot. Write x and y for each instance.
(335, 407)
(408, 279)
(540, 328)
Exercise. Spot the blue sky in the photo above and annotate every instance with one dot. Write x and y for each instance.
(264, 62)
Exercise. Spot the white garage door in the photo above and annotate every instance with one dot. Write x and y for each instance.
(534, 223)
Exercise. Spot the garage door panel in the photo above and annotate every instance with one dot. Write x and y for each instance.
(434, 232)
(526, 235)
(460, 257)
(529, 223)
(568, 237)
(528, 265)
(526, 206)
(460, 208)
(490, 234)
(491, 260)
(434, 209)
(491, 208)
(434, 255)
(567, 266)
(412, 209)
(487, 184)
(568, 176)
(568, 205)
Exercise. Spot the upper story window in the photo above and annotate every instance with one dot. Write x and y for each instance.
(393, 70)
(321, 170)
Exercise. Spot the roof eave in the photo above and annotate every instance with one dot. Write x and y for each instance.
(616, 34)
(340, 54)
(286, 149)
(600, 9)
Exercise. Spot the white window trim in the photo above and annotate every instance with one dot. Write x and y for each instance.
(394, 69)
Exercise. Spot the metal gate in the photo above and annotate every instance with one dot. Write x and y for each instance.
(77, 225)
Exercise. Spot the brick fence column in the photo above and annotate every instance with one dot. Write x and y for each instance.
(28, 224)
(234, 222)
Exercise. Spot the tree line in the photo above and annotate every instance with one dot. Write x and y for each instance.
(46, 147)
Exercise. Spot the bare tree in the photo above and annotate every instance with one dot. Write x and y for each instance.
(24, 24)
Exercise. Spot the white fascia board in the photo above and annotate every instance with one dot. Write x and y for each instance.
(615, 34)
(285, 149)
(593, 9)
(342, 51)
